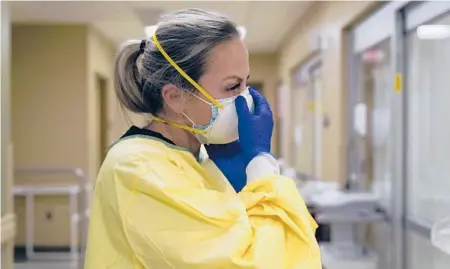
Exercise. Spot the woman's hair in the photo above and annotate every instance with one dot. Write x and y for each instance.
(187, 36)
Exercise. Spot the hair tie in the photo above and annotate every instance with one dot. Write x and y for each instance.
(142, 46)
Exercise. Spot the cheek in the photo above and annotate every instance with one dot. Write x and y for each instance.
(199, 111)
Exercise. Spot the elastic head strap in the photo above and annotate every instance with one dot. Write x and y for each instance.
(195, 84)
(181, 126)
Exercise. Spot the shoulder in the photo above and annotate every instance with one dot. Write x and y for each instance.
(135, 156)
(137, 147)
(143, 161)
(139, 153)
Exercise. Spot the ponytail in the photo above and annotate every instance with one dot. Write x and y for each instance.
(128, 81)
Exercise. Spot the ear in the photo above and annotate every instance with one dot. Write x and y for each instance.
(174, 98)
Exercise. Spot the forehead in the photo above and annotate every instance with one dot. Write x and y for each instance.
(228, 58)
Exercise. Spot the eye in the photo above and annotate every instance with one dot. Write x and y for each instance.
(234, 87)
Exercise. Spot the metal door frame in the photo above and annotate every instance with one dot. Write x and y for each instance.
(315, 71)
(311, 67)
(408, 18)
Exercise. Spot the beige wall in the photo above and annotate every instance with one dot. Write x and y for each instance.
(55, 112)
(329, 20)
(49, 106)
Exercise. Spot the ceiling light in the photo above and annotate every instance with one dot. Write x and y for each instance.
(433, 31)
(242, 31)
(149, 30)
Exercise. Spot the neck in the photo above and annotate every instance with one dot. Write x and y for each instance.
(179, 136)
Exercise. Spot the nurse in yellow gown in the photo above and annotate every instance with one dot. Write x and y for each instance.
(160, 202)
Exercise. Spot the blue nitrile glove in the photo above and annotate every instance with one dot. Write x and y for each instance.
(230, 160)
(255, 130)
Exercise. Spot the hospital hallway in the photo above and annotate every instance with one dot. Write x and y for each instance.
(359, 92)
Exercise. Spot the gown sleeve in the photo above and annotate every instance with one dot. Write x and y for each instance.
(184, 226)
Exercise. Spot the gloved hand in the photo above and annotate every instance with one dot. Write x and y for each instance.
(230, 160)
(255, 130)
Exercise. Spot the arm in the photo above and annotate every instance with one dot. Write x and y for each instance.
(266, 226)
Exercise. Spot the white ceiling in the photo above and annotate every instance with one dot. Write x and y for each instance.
(267, 23)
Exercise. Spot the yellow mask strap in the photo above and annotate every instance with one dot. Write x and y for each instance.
(181, 126)
(195, 84)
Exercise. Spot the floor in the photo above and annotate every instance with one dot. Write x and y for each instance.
(46, 265)
(46, 260)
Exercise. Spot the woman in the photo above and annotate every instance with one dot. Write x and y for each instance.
(159, 201)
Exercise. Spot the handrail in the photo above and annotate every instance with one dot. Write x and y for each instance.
(78, 172)
(418, 227)
(82, 182)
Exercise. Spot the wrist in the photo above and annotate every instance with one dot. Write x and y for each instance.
(255, 153)
(264, 164)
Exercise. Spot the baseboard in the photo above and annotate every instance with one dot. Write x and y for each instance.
(20, 251)
(8, 230)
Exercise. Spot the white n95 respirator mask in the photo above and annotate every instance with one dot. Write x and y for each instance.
(223, 126)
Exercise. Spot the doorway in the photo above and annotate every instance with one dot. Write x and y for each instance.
(101, 88)
(307, 118)
(373, 93)
(427, 61)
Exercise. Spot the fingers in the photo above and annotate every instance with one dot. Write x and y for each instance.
(242, 108)
(261, 104)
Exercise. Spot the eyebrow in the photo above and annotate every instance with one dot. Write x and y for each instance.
(236, 77)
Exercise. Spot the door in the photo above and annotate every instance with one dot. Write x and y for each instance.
(103, 131)
(371, 138)
(371, 143)
(302, 132)
(427, 62)
(307, 118)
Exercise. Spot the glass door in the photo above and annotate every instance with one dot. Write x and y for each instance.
(427, 61)
(371, 134)
(372, 120)
(372, 139)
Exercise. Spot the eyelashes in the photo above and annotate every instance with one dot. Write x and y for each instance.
(234, 87)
